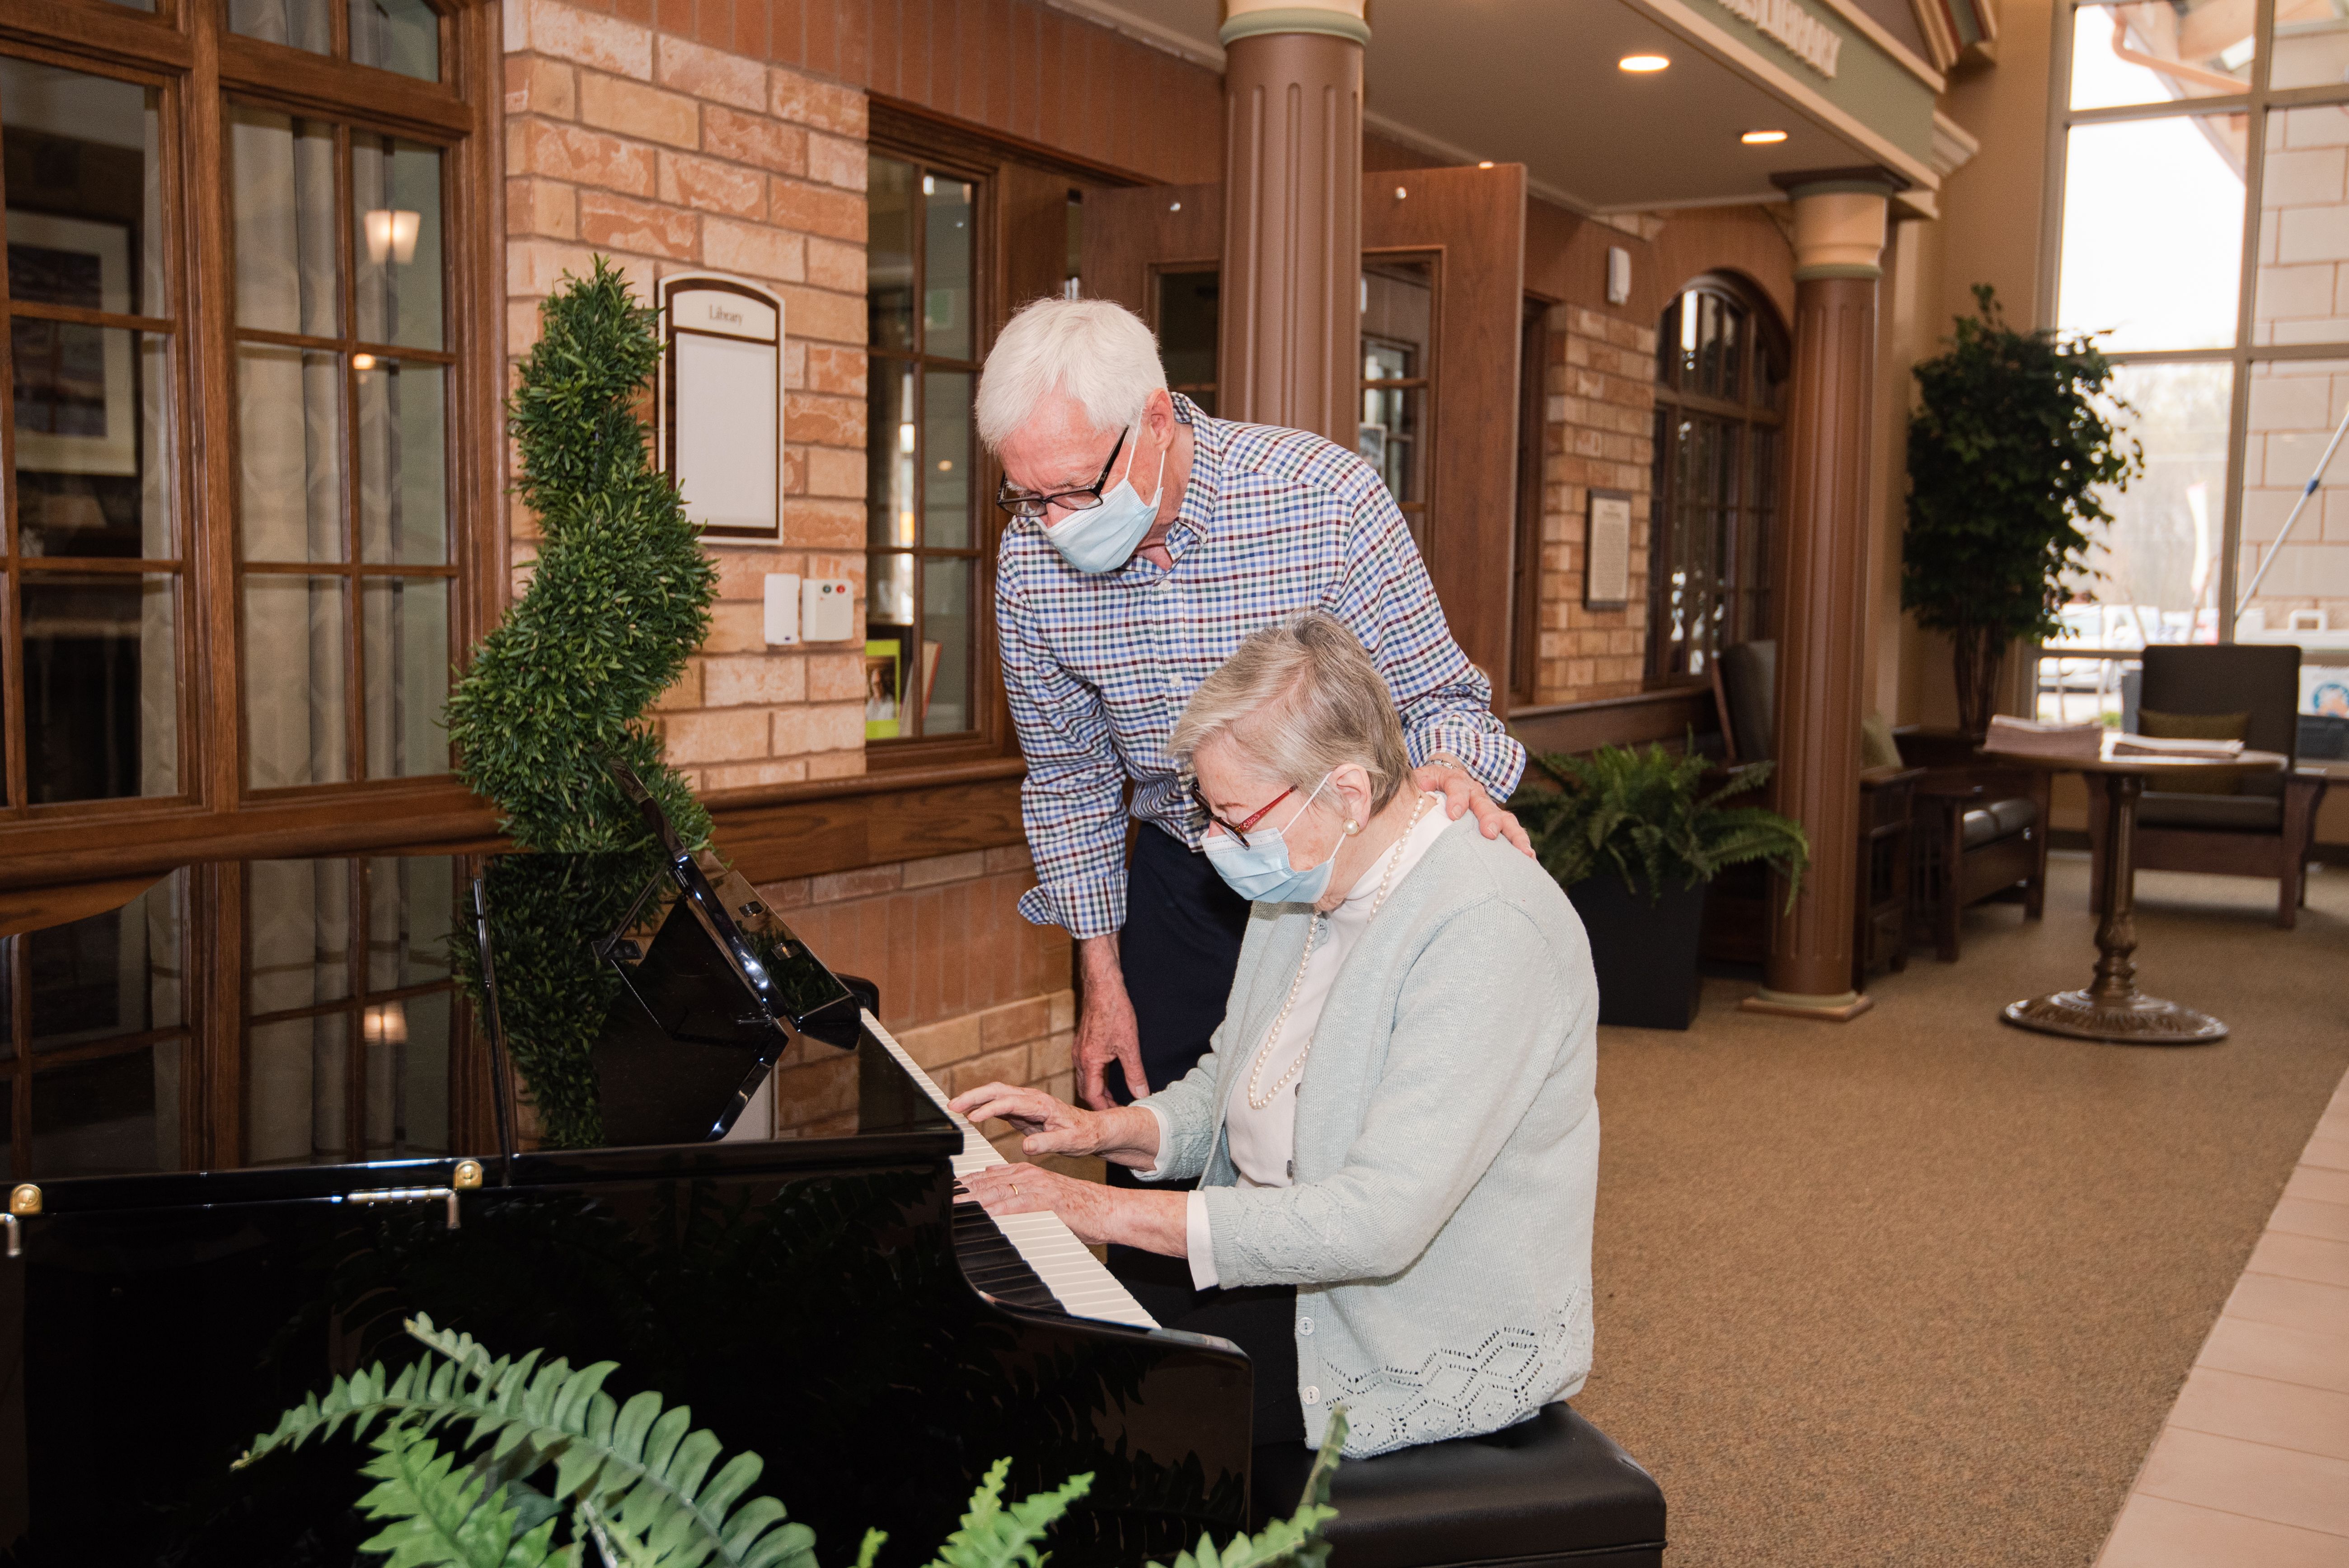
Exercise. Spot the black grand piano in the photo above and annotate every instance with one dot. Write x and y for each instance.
(823, 1302)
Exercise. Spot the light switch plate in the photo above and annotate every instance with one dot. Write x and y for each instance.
(783, 609)
(827, 610)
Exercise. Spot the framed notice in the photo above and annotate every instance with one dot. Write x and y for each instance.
(721, 403)
(77, 404)
(1607, 551)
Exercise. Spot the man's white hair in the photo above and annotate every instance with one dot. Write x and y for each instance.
(1094, 352)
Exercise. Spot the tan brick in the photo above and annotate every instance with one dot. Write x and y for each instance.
(1016, 1024)
(621, 223)
(716, 734)
(834, 677)
(634, 109)
(832, 161)
(838, 764)
(754, 138)
(521, 325)
(538, 266)
(815, 524)
(535, 85)
(607, 43)
(546, 207)
(750, 775)
(830, 369)
(833, 265)
(741, 572)
(837, 727)
(735, 629)
(833, 472)
(865, 882)
(1010, 858)
(1064, 1011)
(819, 1089)
(1010, 1066)
(743, 679)
(821, 314)
(684, 692)
(818, 209)
(933, 1046)
(939, 869)
(791, 892)
(711, 75)
(710, 186)
(793, 97)
(581, 157)
(753, 249)
(1050, 1057)
(824, 422)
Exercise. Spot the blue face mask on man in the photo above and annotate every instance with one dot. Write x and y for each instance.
(1103, 538)
(1260, 871)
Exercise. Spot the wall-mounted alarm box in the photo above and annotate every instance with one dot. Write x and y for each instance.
(827, 610)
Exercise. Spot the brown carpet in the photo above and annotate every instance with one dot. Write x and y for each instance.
(1920, 1288)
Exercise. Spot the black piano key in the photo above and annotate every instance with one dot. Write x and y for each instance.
(993, 1265)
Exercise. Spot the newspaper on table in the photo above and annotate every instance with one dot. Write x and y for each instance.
(2184, 751)
(2029, 737)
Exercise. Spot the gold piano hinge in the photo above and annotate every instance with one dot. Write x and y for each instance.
(468, 1175)
(408, 1195)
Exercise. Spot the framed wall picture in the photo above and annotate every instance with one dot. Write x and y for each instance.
(76, 395)
(1607, 551)
(721, 403)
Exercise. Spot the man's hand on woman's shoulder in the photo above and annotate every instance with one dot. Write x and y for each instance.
(1462, 792)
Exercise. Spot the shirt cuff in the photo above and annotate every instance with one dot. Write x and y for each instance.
(1197, 1242)
(1497, 761)
(1081, 906)
(1157, 1171)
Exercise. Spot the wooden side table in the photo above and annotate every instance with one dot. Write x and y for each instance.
(2111, 1007)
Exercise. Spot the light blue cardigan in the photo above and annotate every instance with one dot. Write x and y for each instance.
(1447, 1152)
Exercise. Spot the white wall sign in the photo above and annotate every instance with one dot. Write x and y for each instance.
(1807, 37)
(1606, 552)
(721, 403)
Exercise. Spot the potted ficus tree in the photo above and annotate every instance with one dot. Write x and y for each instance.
(2006, 450)
(1635, 838)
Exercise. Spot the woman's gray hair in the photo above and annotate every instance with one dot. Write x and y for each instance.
(1299, 699)
(1093, 351)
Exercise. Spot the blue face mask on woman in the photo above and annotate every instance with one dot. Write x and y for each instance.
(1103, 538)
(1260, 871)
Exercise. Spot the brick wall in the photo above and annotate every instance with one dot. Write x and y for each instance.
(973, 992)
(1600, 434)
(667, 155)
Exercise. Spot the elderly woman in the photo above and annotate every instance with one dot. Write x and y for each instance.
(1394, 1130)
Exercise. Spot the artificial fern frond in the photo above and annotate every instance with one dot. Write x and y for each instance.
(438, 1516)
(993, 1536)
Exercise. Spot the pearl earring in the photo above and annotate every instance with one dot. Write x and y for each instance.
(1352, 827)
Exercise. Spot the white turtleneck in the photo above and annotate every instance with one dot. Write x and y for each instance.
(1263, 1143)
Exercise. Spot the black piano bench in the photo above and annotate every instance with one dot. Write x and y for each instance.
(1551, 1489)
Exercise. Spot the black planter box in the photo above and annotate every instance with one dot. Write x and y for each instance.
(1645, 954)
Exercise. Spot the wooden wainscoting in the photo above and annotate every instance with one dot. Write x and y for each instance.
(1668, 714)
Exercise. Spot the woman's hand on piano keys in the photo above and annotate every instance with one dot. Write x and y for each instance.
(1050, 1126)
(1096, 1214)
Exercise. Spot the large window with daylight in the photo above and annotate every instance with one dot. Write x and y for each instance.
(1721, 382)
(2204, 162)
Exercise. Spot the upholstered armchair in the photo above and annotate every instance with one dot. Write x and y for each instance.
(1980, 833)
(2260, 825)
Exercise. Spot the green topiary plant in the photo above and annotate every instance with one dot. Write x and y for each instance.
(618, 598)
(2005, 450)
(1646, 815)
(637, 1481)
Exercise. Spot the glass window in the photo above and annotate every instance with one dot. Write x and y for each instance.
(401, 35)
(1189, 327)
(92, 554)
(2165, 51)
(1398, 363)
(927, 500)
(2136, 190)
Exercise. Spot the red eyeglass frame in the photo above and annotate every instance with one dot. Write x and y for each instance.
(1237, 831)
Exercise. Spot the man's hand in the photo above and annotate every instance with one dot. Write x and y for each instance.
(1107, 1031)
(1461, 793)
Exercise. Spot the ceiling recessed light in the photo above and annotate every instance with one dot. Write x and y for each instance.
(1642, 63)
(1762, 138)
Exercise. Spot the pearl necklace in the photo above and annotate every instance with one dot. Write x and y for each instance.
(1312, 936)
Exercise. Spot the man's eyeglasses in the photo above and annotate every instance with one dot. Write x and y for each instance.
(1237, 830)
(1020, 503)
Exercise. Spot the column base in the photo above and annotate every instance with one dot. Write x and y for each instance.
(1838, 1009)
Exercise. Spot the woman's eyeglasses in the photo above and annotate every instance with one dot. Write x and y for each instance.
(1237, 830)
(1020, 503)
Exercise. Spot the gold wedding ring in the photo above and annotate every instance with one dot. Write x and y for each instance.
(1014, 1189)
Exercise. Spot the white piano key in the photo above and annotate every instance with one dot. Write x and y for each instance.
(1069, 1270)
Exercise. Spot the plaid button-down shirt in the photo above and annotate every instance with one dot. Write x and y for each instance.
(1098, 667)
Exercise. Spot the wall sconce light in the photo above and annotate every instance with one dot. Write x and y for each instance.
(392, 235)
(385, 1025)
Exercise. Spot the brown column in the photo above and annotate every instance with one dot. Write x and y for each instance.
(1292, 215)
(1821, 583)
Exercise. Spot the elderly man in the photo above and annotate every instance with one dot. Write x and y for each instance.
(1148, 539)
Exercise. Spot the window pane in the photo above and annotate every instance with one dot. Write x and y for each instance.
(946, 468)
(948, 225)
(289, 440)
(111, 973)
(944, 696)
(2159, 53)
(101, 687)
(396, 238)
(295, 1086)
(84, 206)
(2160, 566)
(2312, 48)
(412, 900)
(2303, 236)
(2294, 407)
(2153, 238)
(301, 22)
(94, 453)
(889, 253)
(403, 494)
(110, 1117)
(298, 933)
(406, 622)
(891, 443)
(283, 171)
(1188, 322)
(407, 1076)
(295, 670)
(888, 637)
(401, 35)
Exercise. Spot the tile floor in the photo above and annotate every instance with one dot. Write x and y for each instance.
(2253, 1464)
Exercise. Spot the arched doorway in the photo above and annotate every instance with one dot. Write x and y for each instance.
(1721, 384)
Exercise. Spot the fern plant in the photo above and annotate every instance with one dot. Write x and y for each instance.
(1648, 817)
(636, 1478)
(618, 598)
